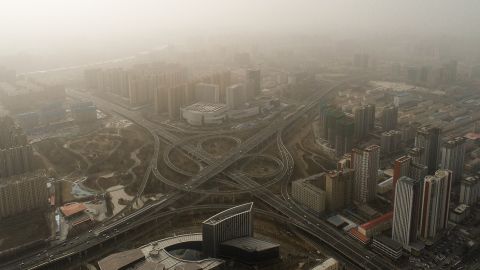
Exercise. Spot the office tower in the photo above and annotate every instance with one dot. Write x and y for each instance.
(401, 167)
(453, 157)
(445, 178)
(207, 93)
(232, 223)
(470, 190)
(360, 60)
(406, 211)
(390, 141)
(253, 83)
(236, 96)
(389, 118)
(338, 188)
(24, 192)
(428, 139)
(364, 118)
(365, 164)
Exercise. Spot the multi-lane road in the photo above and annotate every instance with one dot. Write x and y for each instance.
(343, 246)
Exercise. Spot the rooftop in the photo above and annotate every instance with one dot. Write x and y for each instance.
(327, 264)
(309, 184)
(119, 260)
(72, 209)
(237, 210)
(206, 107)
(157, 253)
(461, 208)
(250, 244)
(388, 242)
(357, 235)
(384, 218)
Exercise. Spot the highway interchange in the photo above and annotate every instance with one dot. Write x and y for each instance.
(342, 246)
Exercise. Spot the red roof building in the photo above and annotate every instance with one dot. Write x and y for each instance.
(377, 225)
(71, 209)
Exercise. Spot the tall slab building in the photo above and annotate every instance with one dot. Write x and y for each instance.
(365, 164)
(406, 211)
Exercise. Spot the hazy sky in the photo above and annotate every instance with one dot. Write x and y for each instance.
(30, 23)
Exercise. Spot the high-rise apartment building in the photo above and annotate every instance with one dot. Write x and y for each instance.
(405, 166)
(445, 178)
(23, 193)
(406, 211)
(344, 136)
(338, 189)
(390, 141)
(163, 84)
(361, 60)
(365, 165)
(389, 117)
(364, 118)
(453, 157)
(16, 155)
(338, 129)
(401, 167)
(416, 154)
(435, 204)
(418, 171)
(236, 96)
(428, 139)
(470, 190)
(253, 83)
(430, 207)
(207, 93)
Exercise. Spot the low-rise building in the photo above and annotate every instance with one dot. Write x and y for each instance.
(199, 113)
(387, 246)
(355, 234)
(75, 213)
(385, 186)
(329, 264)
(460, 212)
(376, 226)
